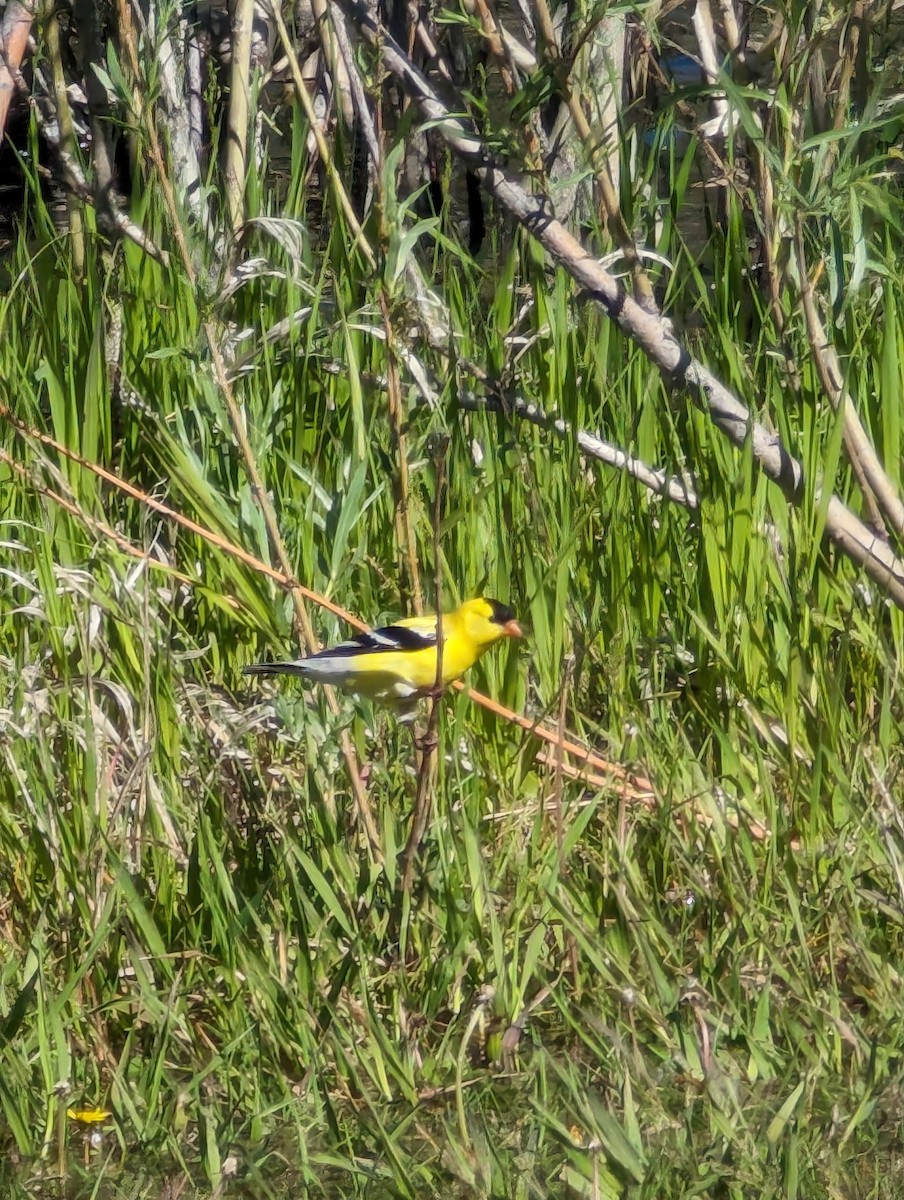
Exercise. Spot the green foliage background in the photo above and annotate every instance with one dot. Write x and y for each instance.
(668, 1003)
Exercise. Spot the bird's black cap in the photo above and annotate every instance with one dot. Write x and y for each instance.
(502, 614)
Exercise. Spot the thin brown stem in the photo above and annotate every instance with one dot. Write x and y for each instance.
(423, 800)
(879, 493)
(99, 528)
(304, 628)
(405, 538)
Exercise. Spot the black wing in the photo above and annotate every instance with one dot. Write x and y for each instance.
(382, 641)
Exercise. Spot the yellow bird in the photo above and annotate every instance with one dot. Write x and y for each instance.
(398, 662)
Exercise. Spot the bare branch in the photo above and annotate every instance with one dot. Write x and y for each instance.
(356, 84)
(680, 491)
(651, 333)
(74, 179)
(870, 473)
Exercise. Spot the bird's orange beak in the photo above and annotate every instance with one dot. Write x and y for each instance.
(512, 629)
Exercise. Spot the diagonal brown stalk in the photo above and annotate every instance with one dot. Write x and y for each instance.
(236, 419)
(879, 493)
(637, 786)
(99, 528)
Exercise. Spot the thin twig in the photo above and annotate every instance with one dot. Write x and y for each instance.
(214, 539)
(581, 753)
(644, 796)
(404, 525)
(323, 149)
(679, 490)
(100, 528)
(427, 766)
(878, 490)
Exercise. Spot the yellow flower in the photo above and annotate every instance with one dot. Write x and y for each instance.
(88, 1116)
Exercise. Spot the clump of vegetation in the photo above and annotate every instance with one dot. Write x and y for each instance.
(670, 968)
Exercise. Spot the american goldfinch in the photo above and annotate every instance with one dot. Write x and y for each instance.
(398, 662)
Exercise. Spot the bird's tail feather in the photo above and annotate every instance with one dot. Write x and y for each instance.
(276, 668)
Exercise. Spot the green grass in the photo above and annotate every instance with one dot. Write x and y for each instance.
(194, 936)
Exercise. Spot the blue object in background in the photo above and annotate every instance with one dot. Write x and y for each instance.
(686, 71)
(675, 137)
(682, 68)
